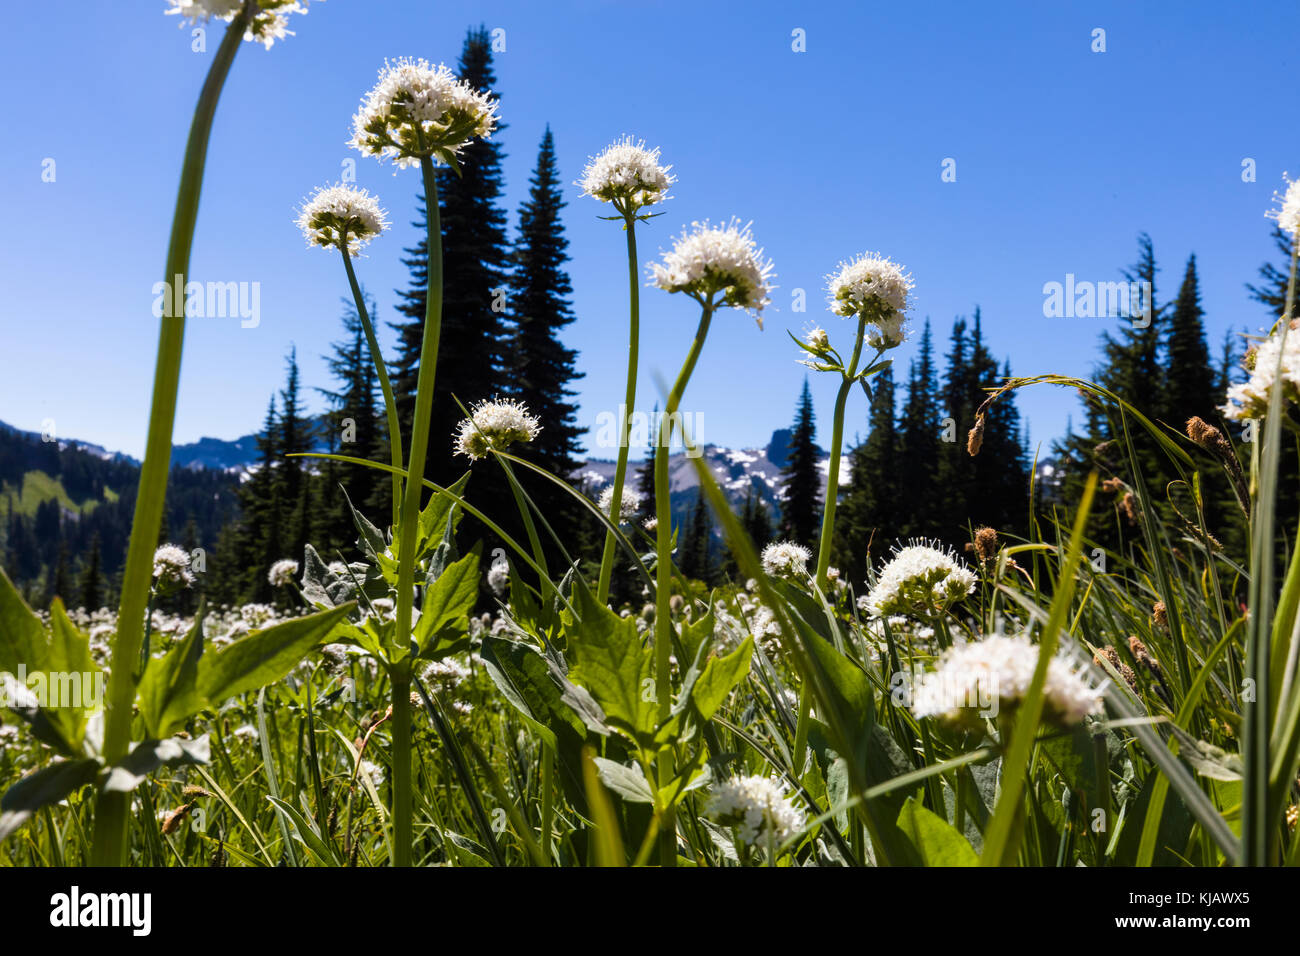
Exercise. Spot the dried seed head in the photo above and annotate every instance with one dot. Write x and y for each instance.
(1159, 616)
(1112, 485)
(1129, 504)
(173, 820)
(1112, 657)
(975, 439)
(986, 543)
(192, 791)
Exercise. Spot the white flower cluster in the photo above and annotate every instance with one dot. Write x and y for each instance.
(418, 110)
(1288, 212)
(496, 424)
(757, 619)
(448, 672)
(629, 505)
(717, 259)
(785, 559)
(1271, 358)
(877, 287)
(498, 577)
(758, 808)
(269, 23)
(171, 565)
(978, 679)
(628, 175)
(332, 212)
(919, 579)
(282, 572)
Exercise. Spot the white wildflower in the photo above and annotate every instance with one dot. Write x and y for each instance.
(171, 565)
(282, 572)
(977, 680)
(418, 110)
(785, 559)
(628, 175)
(919, 579)
(717, 259)
(1287, 214)
(269, 23)
(496, 424)
(447, 671)
(1273, 356)
(818, 340)
(629, 504)
(332, 212)
(498, 577)
(758, 808)
(876, 287)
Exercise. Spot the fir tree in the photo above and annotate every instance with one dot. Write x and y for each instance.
(1189, 377)
(695, 558)
(295, 437)
(918, 447)
(801, 477)
(91, 585)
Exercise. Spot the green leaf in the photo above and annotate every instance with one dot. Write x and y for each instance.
(22, 636)
(610, 661)
(721, 676)
(628, 782)
(440, 517)
(443, 626)
(168, 691)
(936, 842)
(265, 656)
(148, 755)
(307, 833)
(42, 788)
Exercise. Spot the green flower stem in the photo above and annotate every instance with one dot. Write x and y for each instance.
(409, 522)
(833, 473)
(625, 425)
(110, 839)
(390, 404)
(664, 568)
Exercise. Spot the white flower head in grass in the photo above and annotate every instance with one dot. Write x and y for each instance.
(785, 559)
(1287, 214)
(282, 572)
(418, 110)
(269, 23)
(758, 808)
(629, 505)
(496, 424)
(627, 175)
(984, 678)
(876, 287)
(919, 579)
(498, 577)
(1272, 360)
(332, 212)
(171, 565)
(708, 260)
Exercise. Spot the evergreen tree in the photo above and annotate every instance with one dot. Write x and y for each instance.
(91, 585)
(475, 256)
(1274, 278)
(695, 559)
(61, 578)
(541, 368)
(295, 437)
(1189, 377)
(801, 477)
(919, 502)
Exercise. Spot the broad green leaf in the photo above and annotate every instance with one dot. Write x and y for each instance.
(23, 641)
(148, 755)
(721, 676)
(443, 626)
(628, 782)
(265, 656)
(440, 517)
(936, 842)
(610, 661)
(42, 788)
(168, 691)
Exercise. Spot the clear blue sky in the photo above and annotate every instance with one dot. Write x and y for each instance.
(1063, 156)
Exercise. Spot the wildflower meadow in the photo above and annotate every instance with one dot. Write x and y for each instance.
(456, 652)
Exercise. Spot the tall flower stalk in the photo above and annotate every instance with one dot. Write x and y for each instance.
(876, 290)
(346, 218)
(630, 178)
(717, 266)
(110, 839)
(414, 115)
